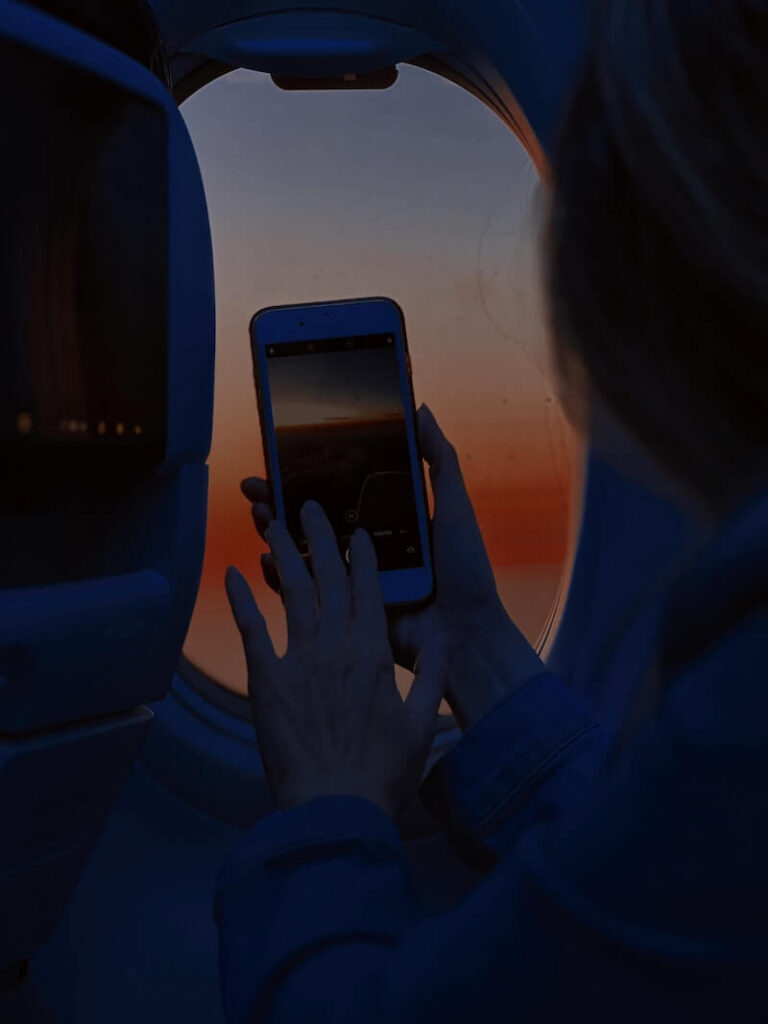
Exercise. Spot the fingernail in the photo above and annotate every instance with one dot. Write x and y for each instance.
(311, 507)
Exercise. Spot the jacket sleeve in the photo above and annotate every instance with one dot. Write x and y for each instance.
(530, 760)
(647, 901)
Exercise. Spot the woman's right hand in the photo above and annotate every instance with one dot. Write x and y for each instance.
(485, 653)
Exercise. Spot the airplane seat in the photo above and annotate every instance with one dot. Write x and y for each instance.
(106, 394)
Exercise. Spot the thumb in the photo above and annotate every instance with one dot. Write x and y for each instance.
(429, 686)
(435, 446)
(452, 502)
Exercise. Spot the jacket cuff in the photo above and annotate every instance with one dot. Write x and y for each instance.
(332, 871)
(501, 760)
(322, 828)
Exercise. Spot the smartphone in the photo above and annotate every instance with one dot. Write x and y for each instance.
(338, 422)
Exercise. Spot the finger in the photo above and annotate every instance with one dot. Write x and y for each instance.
(262, 516)
(429, 686)
(270, 573)
(296, 586)
(329, 572)
(451, 497)
(367, 598)
(256, 490)
(431, 437)
(259, 653)
(408, 634)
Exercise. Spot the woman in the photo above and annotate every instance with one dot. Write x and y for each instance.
(626, 873)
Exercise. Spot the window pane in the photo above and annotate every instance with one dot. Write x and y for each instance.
(421, 194)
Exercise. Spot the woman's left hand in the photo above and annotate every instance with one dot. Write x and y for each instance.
(328, 716)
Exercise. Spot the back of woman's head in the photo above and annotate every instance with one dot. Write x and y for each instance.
(659, 234)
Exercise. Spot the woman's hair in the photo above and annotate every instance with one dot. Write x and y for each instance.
(128, 25)
(658, 247)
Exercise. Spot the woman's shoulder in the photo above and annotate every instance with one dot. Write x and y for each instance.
(716, 612)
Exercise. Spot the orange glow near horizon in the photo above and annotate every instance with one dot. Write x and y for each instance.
(421, 194)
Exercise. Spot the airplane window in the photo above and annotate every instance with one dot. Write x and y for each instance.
(419, 193)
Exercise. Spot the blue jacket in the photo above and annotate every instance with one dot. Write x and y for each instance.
(627, 871)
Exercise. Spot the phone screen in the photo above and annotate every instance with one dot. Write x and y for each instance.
(341, 436)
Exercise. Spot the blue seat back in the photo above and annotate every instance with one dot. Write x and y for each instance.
(100, 565)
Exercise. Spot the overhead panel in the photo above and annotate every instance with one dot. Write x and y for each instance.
(320, 44)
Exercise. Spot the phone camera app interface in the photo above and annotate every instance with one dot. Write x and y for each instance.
(341, 441)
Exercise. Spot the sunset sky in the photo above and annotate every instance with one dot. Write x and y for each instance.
(421, 194)
(311, 389)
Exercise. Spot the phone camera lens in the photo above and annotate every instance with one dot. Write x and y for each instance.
(301, 323)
